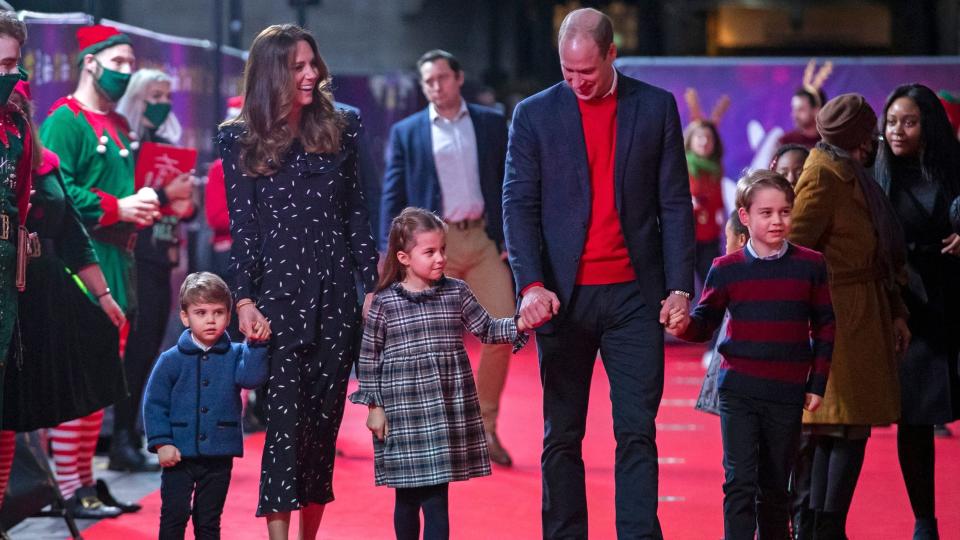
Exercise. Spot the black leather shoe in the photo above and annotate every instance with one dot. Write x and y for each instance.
(125, 457)
(86, 505)
(103, 493)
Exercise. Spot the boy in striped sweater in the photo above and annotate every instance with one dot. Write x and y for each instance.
(776, 354)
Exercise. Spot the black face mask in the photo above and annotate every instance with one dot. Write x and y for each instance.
(8, 82)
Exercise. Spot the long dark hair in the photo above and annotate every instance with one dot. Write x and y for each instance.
(267, 84)
(403, 233)
(939, 148)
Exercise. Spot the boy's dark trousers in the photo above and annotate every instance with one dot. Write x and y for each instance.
(760, 441)
(207, 479)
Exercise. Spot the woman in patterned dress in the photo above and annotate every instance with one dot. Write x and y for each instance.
(300, 234)
(416, 379)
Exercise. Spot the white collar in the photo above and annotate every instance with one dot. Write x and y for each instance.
(773, 256)
(199, 345)
(463, 111)
(613, 86)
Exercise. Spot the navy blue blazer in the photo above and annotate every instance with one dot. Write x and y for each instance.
(192, 399)
(410, 178)
(547, 191)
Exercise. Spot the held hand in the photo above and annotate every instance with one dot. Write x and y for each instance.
(675, 313)
(180, 187)
(377, 422)
(112, 309)
(168, 455)
(538, 306)
(136, 209)
(951, 245)
(812, 402)
(521, 325)
(253, 324)
(367, 300)
(182, 207)
(901, 335)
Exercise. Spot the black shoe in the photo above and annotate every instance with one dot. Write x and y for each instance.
(103, 493)
(926, 529)
(86, 505)
(124, 457)
(942, 431)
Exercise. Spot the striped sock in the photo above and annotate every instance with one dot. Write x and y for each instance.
(73, 445)
(8, 445)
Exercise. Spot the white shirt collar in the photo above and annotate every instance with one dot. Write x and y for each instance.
(613, 86)
(199, 345)
(773, 256)
(463, 111)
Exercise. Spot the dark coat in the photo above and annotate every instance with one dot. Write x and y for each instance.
(411, 175)
(192, 399)
(547, 191)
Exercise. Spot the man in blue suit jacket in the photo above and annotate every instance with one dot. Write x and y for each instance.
(449, 158)
(599, 228)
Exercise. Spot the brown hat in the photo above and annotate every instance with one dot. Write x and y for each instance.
(846, 121)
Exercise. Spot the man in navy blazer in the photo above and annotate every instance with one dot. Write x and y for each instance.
(599, 228)
(449, 158)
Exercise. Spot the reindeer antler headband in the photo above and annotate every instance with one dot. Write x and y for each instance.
(814, 78)
(696, 113)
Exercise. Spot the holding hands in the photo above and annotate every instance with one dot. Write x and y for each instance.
(675, 313)
(377, 422)
(253, 324)
(538, 306)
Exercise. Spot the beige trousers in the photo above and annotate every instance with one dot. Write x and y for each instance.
(473, 257)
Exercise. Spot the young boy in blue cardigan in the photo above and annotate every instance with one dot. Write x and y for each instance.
(191, 408)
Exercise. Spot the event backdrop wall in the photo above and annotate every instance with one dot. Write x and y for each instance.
(760, 90)
(50, 57)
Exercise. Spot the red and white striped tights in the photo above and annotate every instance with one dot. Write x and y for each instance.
(73, 444)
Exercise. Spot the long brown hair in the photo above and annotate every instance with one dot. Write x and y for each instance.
(26, 107)
(403, 234)
(267, 88)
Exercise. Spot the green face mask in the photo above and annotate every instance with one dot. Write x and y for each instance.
(157, 113)
(8, 81)
(113, 83)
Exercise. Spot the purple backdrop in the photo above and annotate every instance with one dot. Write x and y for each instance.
(761, 88)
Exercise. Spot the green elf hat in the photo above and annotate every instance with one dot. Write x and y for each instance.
(93, 39)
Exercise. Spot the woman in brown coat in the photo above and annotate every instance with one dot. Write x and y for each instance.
(839, 211)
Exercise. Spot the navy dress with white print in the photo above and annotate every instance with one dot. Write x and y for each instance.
(299, 238)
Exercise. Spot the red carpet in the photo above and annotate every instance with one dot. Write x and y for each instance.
(507, 504)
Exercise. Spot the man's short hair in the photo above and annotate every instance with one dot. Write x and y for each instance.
(204, 288)
(439, 54)
(749, 185)
(11, 26)
(601, 32)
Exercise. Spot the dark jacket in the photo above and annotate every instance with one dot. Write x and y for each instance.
(411, 177)
(547, 192)
(192, 399)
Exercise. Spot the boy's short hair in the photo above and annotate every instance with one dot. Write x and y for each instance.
(748, 186)
(204, 288)
(737, 225)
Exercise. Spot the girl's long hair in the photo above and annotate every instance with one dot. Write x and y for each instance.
(268, 87)
(26, 107)
(403, 231)
(939, 148)
(134, 102)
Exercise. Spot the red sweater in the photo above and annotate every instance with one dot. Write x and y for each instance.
(605, 258)
(216, 200)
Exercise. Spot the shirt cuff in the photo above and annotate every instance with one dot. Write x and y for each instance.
(362, 397)
(530, 286)
(110, 207)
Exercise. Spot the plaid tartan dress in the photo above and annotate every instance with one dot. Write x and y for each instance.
(413, 364)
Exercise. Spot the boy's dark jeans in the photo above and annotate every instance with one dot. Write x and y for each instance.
(207, 480)
(760, 441)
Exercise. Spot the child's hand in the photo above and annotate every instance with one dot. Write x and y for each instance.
(169, 455)
(377, 422)
(521, 324)
(261, 331)
(812, 402)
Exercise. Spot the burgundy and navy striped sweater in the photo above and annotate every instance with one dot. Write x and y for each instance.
(780, 336)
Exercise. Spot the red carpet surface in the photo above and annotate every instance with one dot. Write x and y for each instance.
(507, 504)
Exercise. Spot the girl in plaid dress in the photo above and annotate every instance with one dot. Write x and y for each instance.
(416, 379)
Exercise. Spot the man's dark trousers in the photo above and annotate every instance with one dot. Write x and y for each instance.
(614, 320)
(760, 443)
